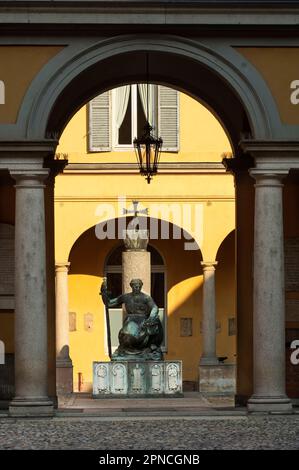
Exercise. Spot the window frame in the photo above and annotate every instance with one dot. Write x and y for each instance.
(134, 124)
(113, 145)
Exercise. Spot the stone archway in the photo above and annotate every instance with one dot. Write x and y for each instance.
(63, 85)
(210, 75)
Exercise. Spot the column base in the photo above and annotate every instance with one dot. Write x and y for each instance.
(64, 377)
(208, 361)
(64, 362)
(280, 404)
(31, 407)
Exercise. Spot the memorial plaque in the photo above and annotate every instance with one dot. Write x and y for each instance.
(231, 326)
(156, 378)
(137, 378)
(292, 264)
(186, 326)
(88, 322)
(6, 259)
(72, 321)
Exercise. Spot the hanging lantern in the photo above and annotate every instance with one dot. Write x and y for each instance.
(148, 150)
(148, 147)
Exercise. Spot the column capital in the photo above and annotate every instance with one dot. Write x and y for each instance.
(62, 267)
(267, 178)
(209, 265)
(29, 178)
(277, 157)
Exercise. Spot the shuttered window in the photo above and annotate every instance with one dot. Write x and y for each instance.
(168, 118)
(100, 122)
(99, 132)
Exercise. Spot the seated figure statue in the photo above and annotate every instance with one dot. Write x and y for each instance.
(142, 333)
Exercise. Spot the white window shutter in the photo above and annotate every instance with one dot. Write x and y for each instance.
(99, 131)
(168, 118)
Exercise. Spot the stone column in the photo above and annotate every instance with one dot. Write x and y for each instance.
(269, 302)
(136, 260)
(64, 366)
(31, 361)
(208, 356)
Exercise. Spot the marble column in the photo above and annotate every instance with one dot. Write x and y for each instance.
(64, 366)
(31, 358)
(208, 356)
(269, 302)
(136, 260)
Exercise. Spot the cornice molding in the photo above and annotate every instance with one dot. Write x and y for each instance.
(227, 13)
(272, 156)
(146, 199)
(131, 168)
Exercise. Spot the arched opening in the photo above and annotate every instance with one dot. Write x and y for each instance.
(181, 72)
(200, 73)
(176, 288)
(72, 88)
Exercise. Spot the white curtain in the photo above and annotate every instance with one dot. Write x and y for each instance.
(143, 95)
(122, 95)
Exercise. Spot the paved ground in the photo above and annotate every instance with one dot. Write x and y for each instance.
(241, 432)
(189, 423)
(191, 404)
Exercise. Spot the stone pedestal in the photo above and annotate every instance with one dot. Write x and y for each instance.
(132, 379)
(217, 380)
(64, 378)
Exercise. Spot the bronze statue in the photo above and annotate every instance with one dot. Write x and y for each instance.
(142, 334)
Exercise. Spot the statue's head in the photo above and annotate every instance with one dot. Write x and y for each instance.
(136, 285)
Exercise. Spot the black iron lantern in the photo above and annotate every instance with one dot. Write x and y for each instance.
(148, 147)
(148, 150)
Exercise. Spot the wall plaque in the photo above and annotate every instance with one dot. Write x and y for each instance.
(72, 321)
(186, 327)
(88, 322)
(231, 326)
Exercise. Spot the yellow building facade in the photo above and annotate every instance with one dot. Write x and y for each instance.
(242, 65)
(191, 191)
